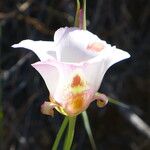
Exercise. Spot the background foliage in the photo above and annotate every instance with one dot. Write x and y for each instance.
(123, 23)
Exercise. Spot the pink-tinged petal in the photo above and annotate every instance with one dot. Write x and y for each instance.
(43, 49)
(49, 73)
(73, 94)
(95, 68)
(70, 52)
(82, 39)
(66, 85)
(110, 56)
(77, 45)
(76, 75)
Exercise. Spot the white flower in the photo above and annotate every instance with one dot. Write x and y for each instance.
(73, 67)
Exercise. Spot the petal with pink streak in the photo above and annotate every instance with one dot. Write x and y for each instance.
(110, 56)
(77, 45)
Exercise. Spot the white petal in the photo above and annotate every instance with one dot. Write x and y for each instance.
(110, 56)
(49, 73)
(97, 66)
(43, 49)
(94, 74)
(116, 56)
(81, 38)
(86, 41)
(67, 51)
(74, 43)
(61, 33)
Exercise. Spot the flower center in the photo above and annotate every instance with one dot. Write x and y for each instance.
(76, 99)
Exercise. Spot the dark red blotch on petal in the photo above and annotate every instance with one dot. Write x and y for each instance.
(76, 81)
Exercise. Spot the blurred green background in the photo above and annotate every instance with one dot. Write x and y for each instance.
(124, 23)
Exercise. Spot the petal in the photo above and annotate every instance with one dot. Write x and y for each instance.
(49, 73)
(68, 52)
(71, 45)
(81, 39)
(93, 75)
(43, 49)
(116, 56)
(110, 56)
(61, 33)
(95, 68)
(65, 87)
(73, 94)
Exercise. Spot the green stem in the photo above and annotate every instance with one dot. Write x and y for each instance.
(116, 102)
(59, 134)
(76, 23)
(84, 14)
(70, 135)
(88, 129)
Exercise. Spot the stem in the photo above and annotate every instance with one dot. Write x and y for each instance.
(84, 14)
(59, 134)
(88, 129)
(70, 135)
(76, 23)
(116, 102)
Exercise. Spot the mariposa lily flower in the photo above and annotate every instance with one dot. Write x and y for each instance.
(73, 66)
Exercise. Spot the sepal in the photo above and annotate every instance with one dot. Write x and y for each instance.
(102, 99)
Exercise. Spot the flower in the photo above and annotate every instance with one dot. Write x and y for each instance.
(73, 66)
